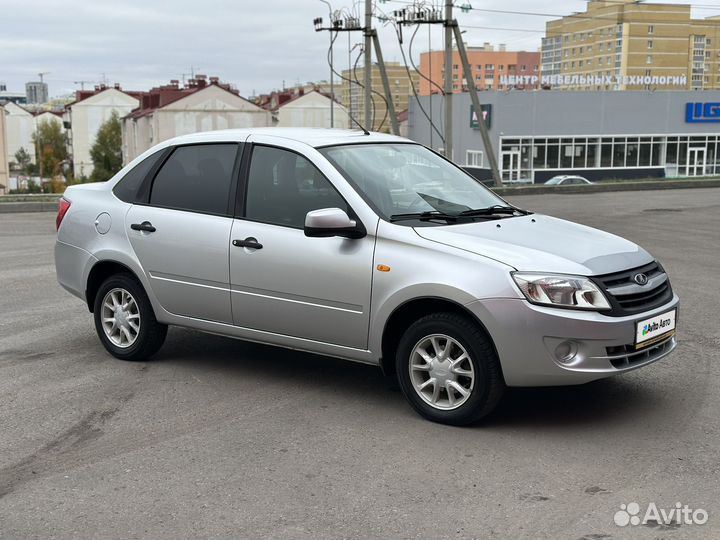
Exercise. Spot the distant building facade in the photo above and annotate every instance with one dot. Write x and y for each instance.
(597, 134)
(86, 114)
(48, 116)
(169, 111)
(311, 109)
(4, 166)
(15, 97)
(400, 88)
(491, 70)
(36, 92)
(628, 45)
(19, 129)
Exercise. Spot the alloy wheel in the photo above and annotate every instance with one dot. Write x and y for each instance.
(441, 372)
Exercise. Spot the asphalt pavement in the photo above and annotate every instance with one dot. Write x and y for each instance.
(217, 438)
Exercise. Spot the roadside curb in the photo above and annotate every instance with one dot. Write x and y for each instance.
(35, 206)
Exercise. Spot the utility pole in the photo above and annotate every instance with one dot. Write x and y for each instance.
(368, 120)
(352, 24)
(332, 84)
(418, 14)
(386, 85)
(447, 129)
(487, 143)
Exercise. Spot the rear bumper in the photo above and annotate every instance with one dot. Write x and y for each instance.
(72, 265)
(526, 337)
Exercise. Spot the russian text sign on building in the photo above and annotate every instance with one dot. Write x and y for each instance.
(594, 80)
(702, 113)
(487, 116)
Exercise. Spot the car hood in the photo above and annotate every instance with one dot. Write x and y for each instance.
(539, 243)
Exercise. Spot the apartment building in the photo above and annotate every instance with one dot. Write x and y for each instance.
(400, 88)
(311, 109)
(491, 69)
(86, 114)
(19, 129)
(168, 111)
(4, 168)
(632, 45)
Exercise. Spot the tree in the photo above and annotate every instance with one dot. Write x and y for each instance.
(51, 147)
(24, 161)
(106, 152)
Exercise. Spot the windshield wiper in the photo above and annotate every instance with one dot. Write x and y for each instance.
(488, 212)
(424, 216)
(493, 210)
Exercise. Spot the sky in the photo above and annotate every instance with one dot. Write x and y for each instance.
(257, 45)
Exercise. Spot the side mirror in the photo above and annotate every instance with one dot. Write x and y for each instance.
(328, 222)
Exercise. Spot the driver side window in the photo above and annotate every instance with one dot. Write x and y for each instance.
(284, 186)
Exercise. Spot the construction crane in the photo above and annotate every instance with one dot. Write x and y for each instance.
(82, 84)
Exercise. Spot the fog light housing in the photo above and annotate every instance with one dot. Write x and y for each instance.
(566, 352)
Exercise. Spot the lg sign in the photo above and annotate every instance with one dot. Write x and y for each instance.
(697, 113)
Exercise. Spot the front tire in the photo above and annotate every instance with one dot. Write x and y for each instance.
(448, 369)
(125, 321)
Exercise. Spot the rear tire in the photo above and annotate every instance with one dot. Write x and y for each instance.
(125, 321)
(448, 369)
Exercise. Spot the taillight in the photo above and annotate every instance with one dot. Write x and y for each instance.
(63, 207)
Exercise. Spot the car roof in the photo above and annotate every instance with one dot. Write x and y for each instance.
(315, 137)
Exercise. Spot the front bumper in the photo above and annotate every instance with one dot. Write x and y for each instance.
(526, 336)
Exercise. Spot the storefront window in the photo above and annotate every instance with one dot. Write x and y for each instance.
(645, 152)
(606, 153)
(592, 153)
(631, 152)
(566, 153)
(539, 151)
(618, 152)
(657, 151)
(553, 154)
(530, 154)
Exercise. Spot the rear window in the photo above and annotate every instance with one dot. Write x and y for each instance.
(196, 178)
(127, 188)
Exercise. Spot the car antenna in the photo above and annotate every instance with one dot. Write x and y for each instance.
(365, 131)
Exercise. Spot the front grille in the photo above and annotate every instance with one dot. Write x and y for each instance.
(628, 298)
(626, 356)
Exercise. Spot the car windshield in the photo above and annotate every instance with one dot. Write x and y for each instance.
(408, 178)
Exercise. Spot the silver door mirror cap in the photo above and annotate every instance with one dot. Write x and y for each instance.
(327, 222)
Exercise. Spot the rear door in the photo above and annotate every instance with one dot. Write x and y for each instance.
(181, 235)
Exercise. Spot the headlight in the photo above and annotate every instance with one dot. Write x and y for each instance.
(561, 291)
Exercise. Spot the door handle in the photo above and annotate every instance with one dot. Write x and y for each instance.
(145, 226)
(249, 242)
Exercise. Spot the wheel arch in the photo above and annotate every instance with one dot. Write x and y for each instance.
(410, 311)
(100, 271)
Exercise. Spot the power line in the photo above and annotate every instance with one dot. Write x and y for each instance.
(579, 16)
(412, 86)
(350, 82)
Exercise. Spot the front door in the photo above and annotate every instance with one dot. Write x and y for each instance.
(284, 282)
(696, 162)
(510, 166)
(182, 237)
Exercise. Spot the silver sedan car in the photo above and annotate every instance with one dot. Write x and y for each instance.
(365, 247)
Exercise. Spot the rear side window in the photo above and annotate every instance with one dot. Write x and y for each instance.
(127, 188)
(196, 178)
